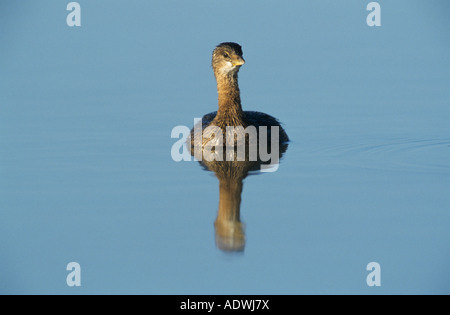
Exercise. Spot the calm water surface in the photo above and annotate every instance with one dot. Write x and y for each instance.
(86, 173)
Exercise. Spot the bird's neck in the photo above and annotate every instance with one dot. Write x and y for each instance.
(228, 224)
(230, 109)
(229, 199)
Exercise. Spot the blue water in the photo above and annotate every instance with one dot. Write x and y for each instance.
(86, 173)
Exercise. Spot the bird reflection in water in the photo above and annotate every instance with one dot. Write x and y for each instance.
(229, 229)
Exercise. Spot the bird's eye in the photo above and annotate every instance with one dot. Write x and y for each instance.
(226, 55)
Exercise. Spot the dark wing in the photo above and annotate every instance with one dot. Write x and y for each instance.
(259, 119)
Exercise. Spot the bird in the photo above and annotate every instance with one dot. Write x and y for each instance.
(227, 59)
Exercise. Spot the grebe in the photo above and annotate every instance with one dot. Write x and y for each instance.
(227, 59)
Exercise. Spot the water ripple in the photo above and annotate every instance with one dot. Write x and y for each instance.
(405, 153)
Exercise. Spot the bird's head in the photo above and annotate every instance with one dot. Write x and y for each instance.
(227, 59)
